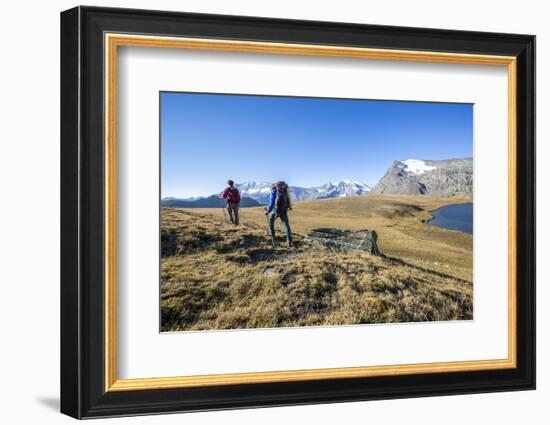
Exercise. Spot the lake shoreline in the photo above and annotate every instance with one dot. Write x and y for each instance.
(449, 223)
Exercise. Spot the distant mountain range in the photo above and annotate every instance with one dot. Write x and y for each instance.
(444, 178)
(207, 202)
(254, 194)
(260, 191)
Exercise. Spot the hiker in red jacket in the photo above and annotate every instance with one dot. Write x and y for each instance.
(233, 197)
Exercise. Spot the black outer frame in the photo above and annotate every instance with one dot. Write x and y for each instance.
(82, 212)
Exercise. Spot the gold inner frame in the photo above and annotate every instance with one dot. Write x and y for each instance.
(113, 41)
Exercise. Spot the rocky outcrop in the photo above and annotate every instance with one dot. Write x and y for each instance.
(444, 178)
(345, 240)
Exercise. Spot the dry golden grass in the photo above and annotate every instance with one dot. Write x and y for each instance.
(217, 276)
(396, 218)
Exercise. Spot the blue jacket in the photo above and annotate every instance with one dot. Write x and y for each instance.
(272, 198)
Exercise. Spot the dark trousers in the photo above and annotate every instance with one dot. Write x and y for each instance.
(284, 219)
(233, 210)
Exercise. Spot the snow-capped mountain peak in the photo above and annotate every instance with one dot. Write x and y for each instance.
(260, 191)
(416, 166)
(252, 187)
(442, 177)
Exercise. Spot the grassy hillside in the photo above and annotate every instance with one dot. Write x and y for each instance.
(217, 276)
(396, 218)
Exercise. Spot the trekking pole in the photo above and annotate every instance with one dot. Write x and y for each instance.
(224, 215)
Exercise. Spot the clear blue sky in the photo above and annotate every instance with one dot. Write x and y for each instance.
(208, 138)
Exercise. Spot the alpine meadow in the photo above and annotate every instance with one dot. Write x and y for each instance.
(279, 212)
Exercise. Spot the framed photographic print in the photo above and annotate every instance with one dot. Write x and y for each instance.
(261, 212)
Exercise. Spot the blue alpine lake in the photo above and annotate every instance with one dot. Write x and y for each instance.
(454, 217)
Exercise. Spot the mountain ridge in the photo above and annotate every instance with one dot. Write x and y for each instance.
(260, 191)
(257, 193)
(445, 178)
(211, 201)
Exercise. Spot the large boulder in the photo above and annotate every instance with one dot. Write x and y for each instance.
(345, 240)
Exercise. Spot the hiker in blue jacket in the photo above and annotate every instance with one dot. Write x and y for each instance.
(279, 204)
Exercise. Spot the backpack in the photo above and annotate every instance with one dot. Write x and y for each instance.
(234, 196)
(282, 200)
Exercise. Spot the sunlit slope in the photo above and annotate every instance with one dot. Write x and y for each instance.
(399, 221)
(218, 276)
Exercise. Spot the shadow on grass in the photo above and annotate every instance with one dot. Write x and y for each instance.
(404, 263)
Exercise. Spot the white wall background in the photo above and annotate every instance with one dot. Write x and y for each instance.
(29, 213)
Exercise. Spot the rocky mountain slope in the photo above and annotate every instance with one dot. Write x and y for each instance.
(443, 178)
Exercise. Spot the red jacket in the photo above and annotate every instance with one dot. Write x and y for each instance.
(232, 195)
